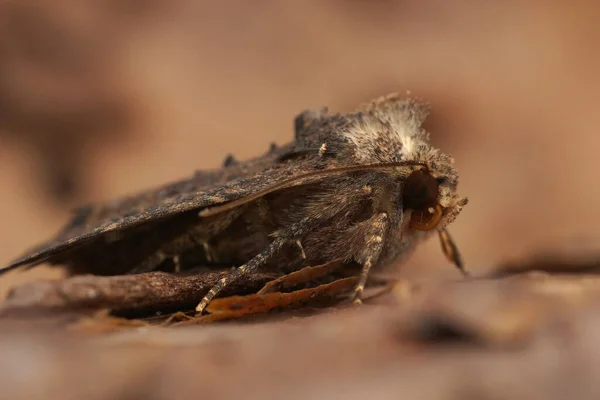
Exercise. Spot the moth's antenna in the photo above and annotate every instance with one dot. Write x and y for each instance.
(308, 177)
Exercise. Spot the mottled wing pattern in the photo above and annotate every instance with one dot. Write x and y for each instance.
(206, 188)
(210, 188)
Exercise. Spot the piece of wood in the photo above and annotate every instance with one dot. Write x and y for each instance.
(125, 293)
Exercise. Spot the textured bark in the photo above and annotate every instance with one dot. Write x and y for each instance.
(150, 291)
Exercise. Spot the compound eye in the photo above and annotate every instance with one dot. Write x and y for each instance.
(420, 194)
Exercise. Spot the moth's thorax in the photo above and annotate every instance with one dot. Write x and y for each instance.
(389, 130)
(376, 139)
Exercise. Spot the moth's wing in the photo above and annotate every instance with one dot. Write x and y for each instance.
(205, 189)
(94, 221)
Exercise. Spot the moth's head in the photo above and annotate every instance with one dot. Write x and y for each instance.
(389, 130)
(429, 198)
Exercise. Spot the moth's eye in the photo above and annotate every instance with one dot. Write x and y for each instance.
(420, 194)
(420, 191)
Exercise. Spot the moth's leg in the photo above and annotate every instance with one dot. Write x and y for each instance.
(302, 253)
(372, 250)
(290, 234)
(249, 267)
(211, 255)
(176, 264)
(149, 264)
(154, 261)
(186, 241)
(451, 251)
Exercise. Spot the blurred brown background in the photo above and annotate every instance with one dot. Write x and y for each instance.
(101, 98)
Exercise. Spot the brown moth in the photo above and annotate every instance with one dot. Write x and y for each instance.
(365, 187)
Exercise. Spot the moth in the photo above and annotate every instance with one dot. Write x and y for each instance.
(365, 187)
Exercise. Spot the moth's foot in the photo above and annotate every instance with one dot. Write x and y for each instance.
(206, 301)
(301, 249)
(221, 283)
(358, 292)
(202, 305)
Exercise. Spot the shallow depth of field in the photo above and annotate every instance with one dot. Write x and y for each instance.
(100, 99)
